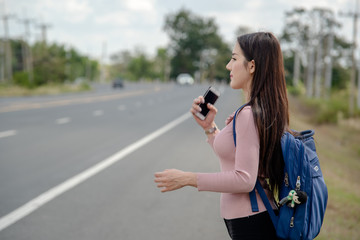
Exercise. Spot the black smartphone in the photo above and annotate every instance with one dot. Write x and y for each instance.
(210, 96)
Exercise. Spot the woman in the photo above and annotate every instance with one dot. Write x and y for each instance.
(256, 67)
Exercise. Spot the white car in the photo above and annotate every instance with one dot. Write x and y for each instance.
(185, 79)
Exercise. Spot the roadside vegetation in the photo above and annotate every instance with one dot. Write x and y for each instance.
(339, 153)
(10, 90)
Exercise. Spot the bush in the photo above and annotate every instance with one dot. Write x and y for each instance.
(294, 91)
(331, 110)
(22, 79)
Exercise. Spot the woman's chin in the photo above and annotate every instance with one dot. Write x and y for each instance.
(233, 85)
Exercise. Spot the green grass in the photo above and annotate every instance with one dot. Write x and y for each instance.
(9, 90)
(338, 150)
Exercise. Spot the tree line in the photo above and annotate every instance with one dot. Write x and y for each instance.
(41, 63)
(317, 59)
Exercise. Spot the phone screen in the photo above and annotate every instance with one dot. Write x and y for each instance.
(210, 97)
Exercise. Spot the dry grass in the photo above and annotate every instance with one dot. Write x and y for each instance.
(8, 90)
(338, 148)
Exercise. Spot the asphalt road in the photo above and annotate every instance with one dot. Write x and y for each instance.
(45, 141)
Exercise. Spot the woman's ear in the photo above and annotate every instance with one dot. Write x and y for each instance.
(251, 66)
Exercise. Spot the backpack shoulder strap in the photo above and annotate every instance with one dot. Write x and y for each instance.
(252, 194)
(237, 111)
(258, 187)
(266, 202)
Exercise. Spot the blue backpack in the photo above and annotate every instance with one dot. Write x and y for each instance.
(303, 180)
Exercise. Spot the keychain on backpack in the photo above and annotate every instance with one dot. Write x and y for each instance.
(294, 196)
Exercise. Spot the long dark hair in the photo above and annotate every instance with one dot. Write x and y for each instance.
(268, 100)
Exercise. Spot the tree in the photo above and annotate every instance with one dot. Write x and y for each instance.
(132, 66)
(295, 34)
(51, 64)
(162, 64)
(194, 44)
(311, 38)
(140, 67)
(119, 64)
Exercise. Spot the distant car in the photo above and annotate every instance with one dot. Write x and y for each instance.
(185, 79)
(118, 83)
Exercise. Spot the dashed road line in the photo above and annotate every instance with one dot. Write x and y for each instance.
(98, 113)
(8, 133)
(65, 102)
(63, 120)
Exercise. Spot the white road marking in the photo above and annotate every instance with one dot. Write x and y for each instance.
(63, 120)
(8, 133)
(98, 113)
(122, 108)
(54, 192)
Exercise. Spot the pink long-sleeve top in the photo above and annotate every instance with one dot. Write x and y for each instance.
(239, 167)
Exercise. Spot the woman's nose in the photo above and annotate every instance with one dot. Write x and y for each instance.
(228, 66)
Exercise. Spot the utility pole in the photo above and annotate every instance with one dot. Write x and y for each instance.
(44, 27)
(102, 63)
(318, 66)
(358, 82)
(2, 61)
(352, 92)
(27, 53)
(296, 68)
(7, 44)
(331, 29)
(328, 62)
(88, 67)
(310, 70)
(68, 56)
(311, 48)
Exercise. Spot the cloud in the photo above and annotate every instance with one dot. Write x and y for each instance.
(78, 9)
(125, 23)
(141, 5)
(135, 13)
(120, 18)
(74, 11)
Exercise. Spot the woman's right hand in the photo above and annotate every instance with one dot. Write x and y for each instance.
(208, 122)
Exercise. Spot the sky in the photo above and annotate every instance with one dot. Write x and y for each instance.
(100, 28)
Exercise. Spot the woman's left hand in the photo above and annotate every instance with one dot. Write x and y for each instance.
(172, 179)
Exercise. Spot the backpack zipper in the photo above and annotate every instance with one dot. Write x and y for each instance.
(286, 179)
(298, 184)
(292, 219)
(292, 222)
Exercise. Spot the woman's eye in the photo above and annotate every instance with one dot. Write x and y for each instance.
(233, 59)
